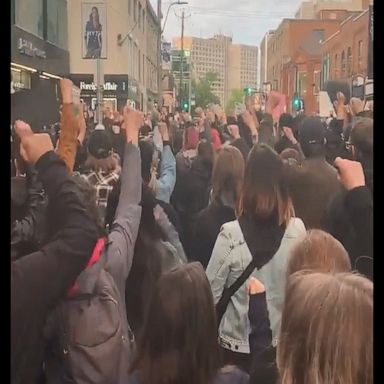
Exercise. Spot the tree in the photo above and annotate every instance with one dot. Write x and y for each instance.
(203, 90)
(236, 97)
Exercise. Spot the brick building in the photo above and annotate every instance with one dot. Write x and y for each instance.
(294, 58)
(345, 53)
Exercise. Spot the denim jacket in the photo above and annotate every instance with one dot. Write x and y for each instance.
(167, 179)
(229, 259)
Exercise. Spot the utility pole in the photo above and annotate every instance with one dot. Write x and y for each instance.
(182, 59)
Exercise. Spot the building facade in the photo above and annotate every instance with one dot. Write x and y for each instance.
(39, 57)
(242, 67)
(126, 57)
(311, 9)
(294, 59)
(345, 53)
(234, 64)
(264, 57)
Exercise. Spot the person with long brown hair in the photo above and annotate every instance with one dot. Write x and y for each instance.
(179, 341)
(227, 179)
(262, 235)
(327, 330)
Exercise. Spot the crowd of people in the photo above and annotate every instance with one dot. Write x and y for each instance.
(207, 249)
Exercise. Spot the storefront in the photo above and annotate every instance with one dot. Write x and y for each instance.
(36, 67)
(36, 57)
(115, 94)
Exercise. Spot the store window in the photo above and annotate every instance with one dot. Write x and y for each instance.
(29, 16)
(360, 54)
(21, 80)
(57, 22)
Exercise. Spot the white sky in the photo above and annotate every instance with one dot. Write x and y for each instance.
(246, 21)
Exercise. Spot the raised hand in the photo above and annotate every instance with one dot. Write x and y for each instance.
(133, 120)
(66, 87)
(351, 173)
(255, 286)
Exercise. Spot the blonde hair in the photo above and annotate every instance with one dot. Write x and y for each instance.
(318, 251)
(327, 330)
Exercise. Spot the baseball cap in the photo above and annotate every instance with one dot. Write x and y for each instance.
(100, 144)
(312, 131)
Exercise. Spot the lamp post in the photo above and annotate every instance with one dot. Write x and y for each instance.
(170, 6)
(160, 16)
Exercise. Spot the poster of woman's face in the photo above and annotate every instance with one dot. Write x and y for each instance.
(94, 30)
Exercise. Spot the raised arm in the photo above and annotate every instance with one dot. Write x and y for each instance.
(167, 180)
(127, 218)
(40, 279)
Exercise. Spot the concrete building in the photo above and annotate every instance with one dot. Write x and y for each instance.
(128, 30)
(264, 56)
(242, 67)
(294, 58)
(345, 53)
(235, 64)
(311, 9)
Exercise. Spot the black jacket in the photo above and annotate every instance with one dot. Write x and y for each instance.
(349, 218)
(312, 187)
(206, 229)
(263, 354)
(28, 217)
(39, 280)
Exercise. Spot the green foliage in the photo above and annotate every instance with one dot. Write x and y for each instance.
(236, 97)
(203, 90)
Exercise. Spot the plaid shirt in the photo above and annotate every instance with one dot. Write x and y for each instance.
(103, 183)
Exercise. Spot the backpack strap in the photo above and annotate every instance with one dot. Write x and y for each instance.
(222, 305)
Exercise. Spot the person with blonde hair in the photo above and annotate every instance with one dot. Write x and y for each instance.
(327, 330)
(318, 251)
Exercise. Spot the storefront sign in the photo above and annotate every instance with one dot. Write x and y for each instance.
(27, 48)
(108, 86)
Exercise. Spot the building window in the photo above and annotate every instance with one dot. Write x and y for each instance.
(316, 82)
(57, 22)
(301, 86)
(139, 15)
(349, 61)
(360, 54)
(343, 62)
(29, 16)
(143, 20)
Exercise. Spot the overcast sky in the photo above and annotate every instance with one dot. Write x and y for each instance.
(246, 21)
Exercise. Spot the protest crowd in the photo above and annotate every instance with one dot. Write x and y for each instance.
(206, 249)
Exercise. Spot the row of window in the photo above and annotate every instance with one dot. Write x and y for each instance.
(138, 13)
(342, 62)
(44, 19)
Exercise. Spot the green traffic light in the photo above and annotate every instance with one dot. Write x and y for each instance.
(185, 106)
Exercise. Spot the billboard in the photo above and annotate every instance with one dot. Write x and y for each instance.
(370, 44)
(94, 30)
(166, 55)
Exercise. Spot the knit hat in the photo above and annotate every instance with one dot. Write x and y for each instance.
(100, 144)
(312, 131)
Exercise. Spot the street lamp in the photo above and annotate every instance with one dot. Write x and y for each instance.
(171, 5)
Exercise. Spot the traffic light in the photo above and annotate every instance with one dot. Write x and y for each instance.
(297, 103)
(248, 90)
(185, 106)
